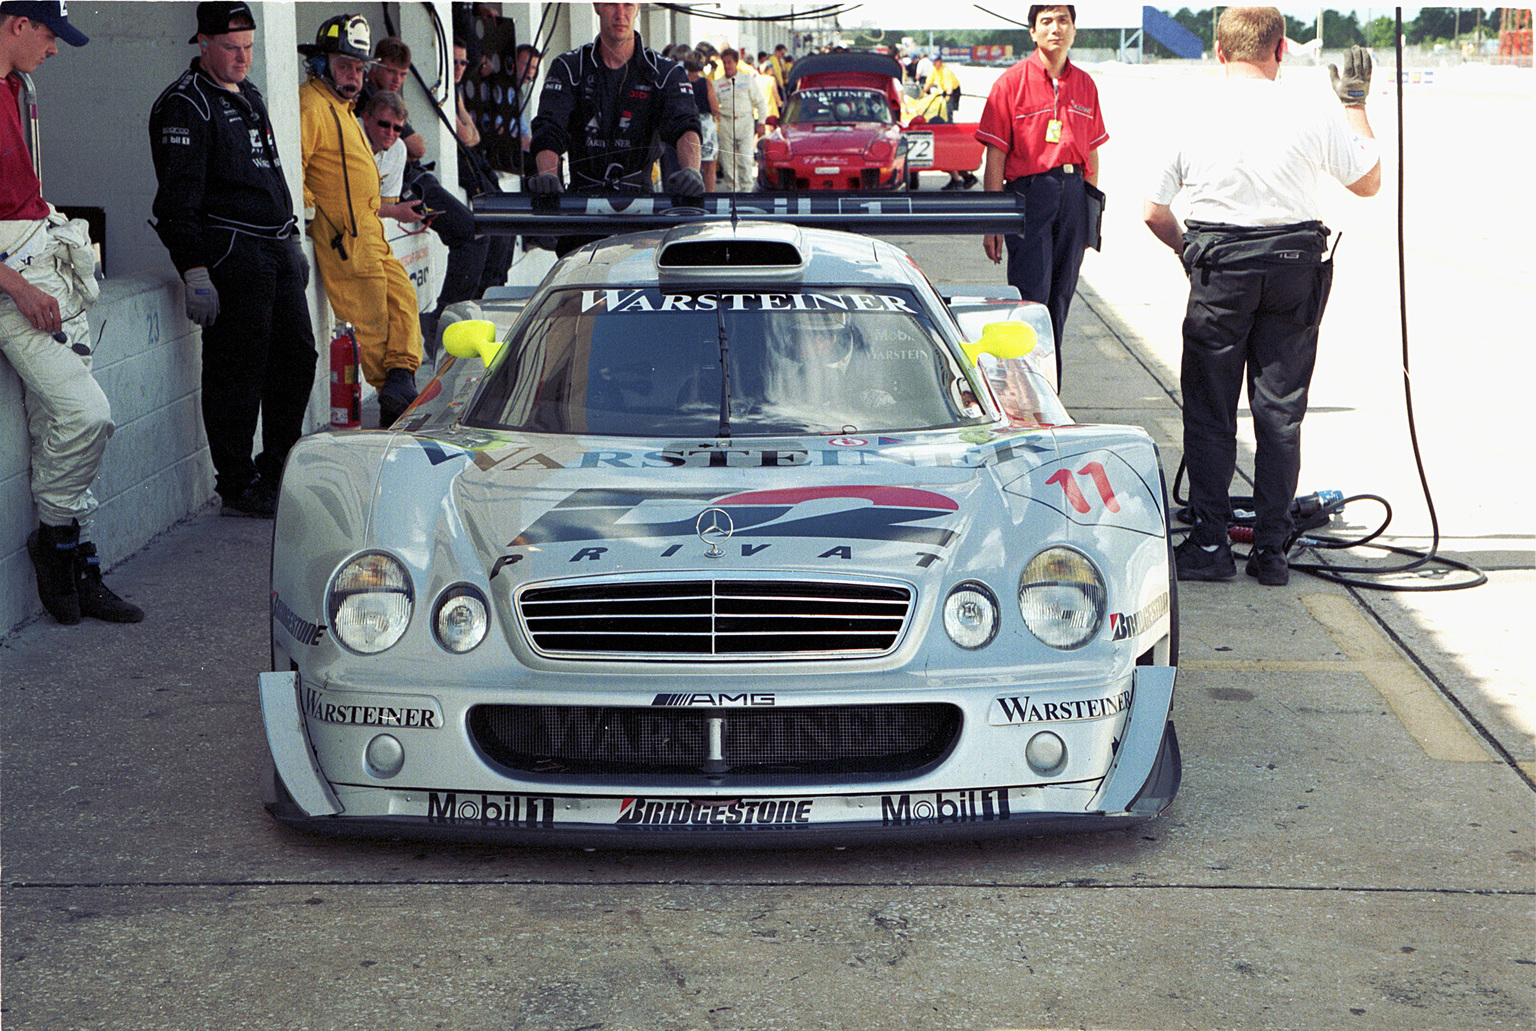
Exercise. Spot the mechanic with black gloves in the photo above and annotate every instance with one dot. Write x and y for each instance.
(1259, 273)
(224, 212)
(605, 104)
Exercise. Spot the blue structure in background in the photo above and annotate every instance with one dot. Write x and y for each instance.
(1170, 34)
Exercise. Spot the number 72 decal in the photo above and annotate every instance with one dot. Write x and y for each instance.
(1074, 495)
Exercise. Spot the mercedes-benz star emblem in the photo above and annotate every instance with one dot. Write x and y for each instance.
(714, 527)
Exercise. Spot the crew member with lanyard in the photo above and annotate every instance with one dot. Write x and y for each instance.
(1042, 128)
(605, 104)
(365, 282)
(224, 213)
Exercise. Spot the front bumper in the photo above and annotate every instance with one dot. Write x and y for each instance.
(1140, 785)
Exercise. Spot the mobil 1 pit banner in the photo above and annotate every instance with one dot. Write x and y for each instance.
(532, 812)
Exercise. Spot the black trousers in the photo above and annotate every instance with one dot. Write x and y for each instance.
(1252, 318)
(258, 358)
(475, 263)
(1044, 260)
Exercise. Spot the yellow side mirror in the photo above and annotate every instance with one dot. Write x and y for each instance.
(1002, 340)
(473, 338)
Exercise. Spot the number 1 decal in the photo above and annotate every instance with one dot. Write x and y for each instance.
(1074, 495)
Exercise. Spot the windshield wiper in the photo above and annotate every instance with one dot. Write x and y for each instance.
(725, 375)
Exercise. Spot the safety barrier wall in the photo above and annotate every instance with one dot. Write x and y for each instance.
(156, 469)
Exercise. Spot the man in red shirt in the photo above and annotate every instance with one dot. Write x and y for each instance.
(1042, 129)
(47, 275)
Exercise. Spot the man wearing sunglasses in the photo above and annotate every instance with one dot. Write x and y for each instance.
(383, 118)
(224, 213)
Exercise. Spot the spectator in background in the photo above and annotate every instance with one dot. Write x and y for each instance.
(474, 261)
(365, 282)
(780, 64)
(390, 70)
(742, 110)
(383, 119)
(709, 114)
(527, 65)
(945, 85)
(463, 124)
(224, 213)
(48, 277)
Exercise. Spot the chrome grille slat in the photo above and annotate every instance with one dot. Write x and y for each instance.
(716, 619)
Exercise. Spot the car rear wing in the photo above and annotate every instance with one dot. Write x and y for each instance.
(868, 213)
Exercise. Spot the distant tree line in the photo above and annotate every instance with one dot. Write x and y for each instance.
(1432, 25)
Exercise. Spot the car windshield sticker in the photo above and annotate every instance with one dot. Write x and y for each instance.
(621, 302)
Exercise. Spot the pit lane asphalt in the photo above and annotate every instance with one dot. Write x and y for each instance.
(1352, 846)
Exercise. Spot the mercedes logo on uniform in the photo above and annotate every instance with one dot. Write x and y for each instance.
(714, 528)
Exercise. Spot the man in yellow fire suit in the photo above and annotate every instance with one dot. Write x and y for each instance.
(365, 282)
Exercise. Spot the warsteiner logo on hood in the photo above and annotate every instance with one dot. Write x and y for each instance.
(857, 513)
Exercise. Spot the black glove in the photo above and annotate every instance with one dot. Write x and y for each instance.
(686, 182)
(1355, 84)
(545, 183)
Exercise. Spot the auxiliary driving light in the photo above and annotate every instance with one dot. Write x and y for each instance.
(461, 619)
(384, 756)
(970, 615)
(1046, 753)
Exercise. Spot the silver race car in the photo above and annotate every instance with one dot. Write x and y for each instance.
(742, 535)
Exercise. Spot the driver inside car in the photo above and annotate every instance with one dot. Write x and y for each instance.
(810, 354)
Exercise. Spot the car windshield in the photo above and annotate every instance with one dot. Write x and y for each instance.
(828, 106)
(663, 363)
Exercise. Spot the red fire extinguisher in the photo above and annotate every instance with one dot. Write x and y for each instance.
(346, 385)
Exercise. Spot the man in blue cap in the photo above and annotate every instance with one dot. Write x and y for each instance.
(47, 280)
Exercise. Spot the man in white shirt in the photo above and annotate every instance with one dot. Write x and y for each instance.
(1248, 159)
(742, 111)
(383, 121)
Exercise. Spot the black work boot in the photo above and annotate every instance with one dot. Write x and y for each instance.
(397, 393)
(54, 552)
(96, 600)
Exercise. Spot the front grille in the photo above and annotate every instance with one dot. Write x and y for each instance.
(813, 741)
(716, 620)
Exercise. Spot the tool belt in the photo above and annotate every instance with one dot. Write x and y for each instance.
(1212, 245)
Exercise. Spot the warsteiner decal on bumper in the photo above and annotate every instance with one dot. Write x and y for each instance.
(1017, 710)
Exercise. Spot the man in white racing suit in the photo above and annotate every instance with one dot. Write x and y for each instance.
(47, 273)
(742, 110)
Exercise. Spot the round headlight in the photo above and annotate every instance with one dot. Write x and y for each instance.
(370, 603)
(1062, 598)
(970, 615)
(461, 619)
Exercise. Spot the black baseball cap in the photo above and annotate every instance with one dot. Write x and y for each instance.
(54, 15)
(214, 18)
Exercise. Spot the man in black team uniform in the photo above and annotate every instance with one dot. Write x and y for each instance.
(605, 104)
(224, 212)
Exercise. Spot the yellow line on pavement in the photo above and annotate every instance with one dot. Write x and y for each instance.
(1412, 698)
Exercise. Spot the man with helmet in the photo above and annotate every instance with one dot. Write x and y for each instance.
(365, 282)
(224, 213)
(809, 354)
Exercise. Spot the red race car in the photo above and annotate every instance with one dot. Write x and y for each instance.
(844, 128)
